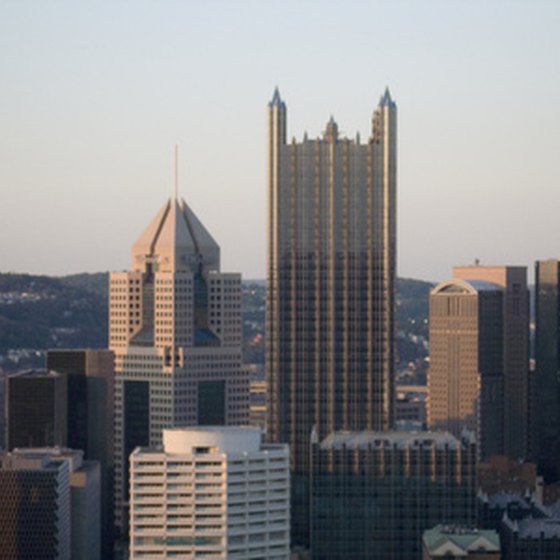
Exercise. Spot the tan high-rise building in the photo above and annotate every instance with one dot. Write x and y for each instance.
(465, 378)
(175, 329)
(479, 357)
(330, 284)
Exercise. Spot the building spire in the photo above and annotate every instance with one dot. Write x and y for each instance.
(175, 173)
(276, 99)
(386, 99)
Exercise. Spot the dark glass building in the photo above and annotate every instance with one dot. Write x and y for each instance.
(375, 493)
(36, 403)
(89, 376)
(547, 374)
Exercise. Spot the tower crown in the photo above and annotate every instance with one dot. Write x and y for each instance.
(276, 99)
(386, 100)
(175, 240)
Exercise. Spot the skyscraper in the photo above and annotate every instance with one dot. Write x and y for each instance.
(479, 357)
(36, 409)
(330, 284)
(547, 354)
(175, 329)
(513, 280)
(466, 374)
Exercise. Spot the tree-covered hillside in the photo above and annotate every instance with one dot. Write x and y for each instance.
(41, 312)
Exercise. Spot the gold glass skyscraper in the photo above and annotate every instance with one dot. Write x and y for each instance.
(330, 283)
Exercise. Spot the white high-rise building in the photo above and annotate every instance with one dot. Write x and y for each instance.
(175, 330)
(217, 492)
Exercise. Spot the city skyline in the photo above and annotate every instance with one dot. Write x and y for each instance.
(175, 331)
(90, 111)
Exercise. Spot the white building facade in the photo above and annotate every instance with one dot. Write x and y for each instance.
(211, 492)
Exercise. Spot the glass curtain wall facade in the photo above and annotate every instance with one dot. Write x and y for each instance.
(330, 286)
(547, 354)
(374, 494)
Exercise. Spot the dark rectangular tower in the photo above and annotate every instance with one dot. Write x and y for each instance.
(36, 403)
(547, 381)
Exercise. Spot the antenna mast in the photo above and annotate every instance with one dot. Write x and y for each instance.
(175, 172)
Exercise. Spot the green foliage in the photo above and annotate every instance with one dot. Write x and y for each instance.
(41, 312)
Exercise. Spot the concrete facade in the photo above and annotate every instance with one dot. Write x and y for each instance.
(212, 492)
(479, 358)
(465, 376)
(175, 329)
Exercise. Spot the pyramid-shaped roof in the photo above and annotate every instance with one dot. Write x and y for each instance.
(175, 240)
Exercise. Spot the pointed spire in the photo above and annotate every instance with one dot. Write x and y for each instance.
(331, 132)
(276, 99)
(386, 99)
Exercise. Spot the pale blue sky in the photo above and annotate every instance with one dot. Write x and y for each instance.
(93, 95)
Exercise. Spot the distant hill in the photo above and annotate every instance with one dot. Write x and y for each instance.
(41, 312)
(98, 283)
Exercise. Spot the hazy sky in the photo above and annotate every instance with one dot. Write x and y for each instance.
(93, 95)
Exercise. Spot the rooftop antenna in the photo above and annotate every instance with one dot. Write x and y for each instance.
(175, 172)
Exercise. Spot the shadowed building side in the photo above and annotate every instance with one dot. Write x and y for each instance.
(513, 280)
(547, 354)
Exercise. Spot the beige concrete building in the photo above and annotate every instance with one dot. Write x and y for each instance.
(175, 329)
(478, 371)
(213, 493)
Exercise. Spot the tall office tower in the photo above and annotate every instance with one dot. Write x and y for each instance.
(210, 492)
(36, 405)
(466, 374)
(50, 505)
(330, 285)
(375, 493)
(90, 410)
(513, 280)
(175, 329)
(547, 373)
(90, 377)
